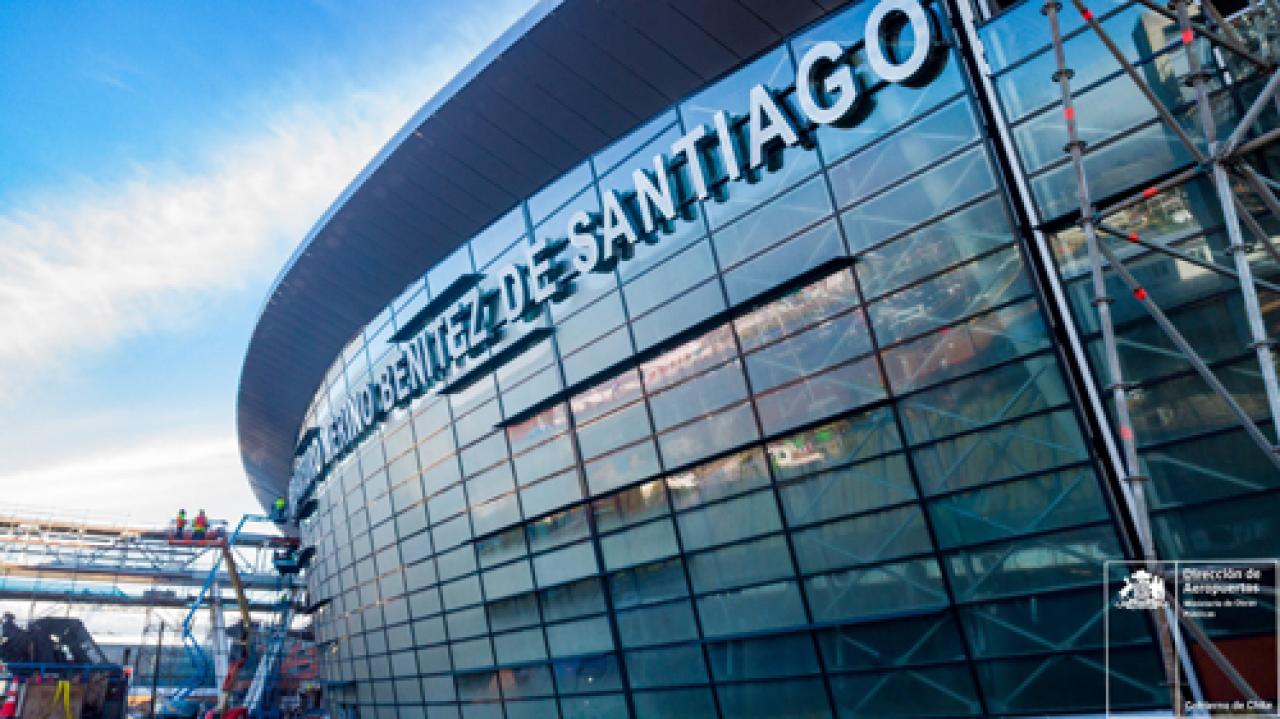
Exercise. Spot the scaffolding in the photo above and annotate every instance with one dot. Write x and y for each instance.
(1212, 38)
(85, 560)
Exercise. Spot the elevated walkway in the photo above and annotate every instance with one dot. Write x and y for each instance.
(46, 556)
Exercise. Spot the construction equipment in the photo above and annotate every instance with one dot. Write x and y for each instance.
(54, 667)
(1229, 166)
(256, 649)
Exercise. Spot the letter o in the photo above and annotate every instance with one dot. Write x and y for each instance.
(841, 79)
(922, 28)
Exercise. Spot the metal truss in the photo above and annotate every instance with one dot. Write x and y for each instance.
(44, 557)
(1220, 161)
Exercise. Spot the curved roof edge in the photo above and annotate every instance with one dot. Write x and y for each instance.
(561, 83)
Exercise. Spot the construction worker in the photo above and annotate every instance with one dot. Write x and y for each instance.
(201, 525)
(278, 513)
(180, 524)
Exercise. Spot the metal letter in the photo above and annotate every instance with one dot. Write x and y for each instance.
(368, 407)
(767, 125)
(478, 330)
(458, 316)
(688, 146)
(587, 245)
(835, 76)
(386, 390)
(544, 274)
(513, 289)
(728, 145)
(617, 229)
(654, 195)
(419, 369)
(923, 32)
(400, 377)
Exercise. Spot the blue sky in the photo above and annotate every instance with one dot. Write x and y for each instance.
(158, 163)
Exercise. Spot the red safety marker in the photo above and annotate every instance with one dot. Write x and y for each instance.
(1070, 113)
(1087, 14)
(1140, 293)
(1133, 237)
(1149, 193)
(1126, 434)
(1188, 36)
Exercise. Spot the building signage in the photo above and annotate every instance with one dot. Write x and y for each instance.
(699, 164)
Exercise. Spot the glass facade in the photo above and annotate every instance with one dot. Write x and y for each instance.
(816, 452)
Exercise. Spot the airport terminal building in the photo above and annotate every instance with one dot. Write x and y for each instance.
(695, 358)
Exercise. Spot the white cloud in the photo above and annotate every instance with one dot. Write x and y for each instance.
(82, 271)
(85, 267)
(139, 483)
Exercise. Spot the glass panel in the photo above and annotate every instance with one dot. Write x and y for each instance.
(740, 564)
(827, 343)
(722, 478)
(649, 583)
(618, 468)
(639, 544)
(972, 345)
(634, 505)
(688, 359)
(705, 393)
(711, 434)
(1004, 393)
(832, 494)
(831, 392)
(667, 666)
(862, 540)
(1050, 501)
(767, 225)
(884, 644)
(948, 297)
(584, 636)
(674, 704)
(769, 269)
(949, 185)
(949, 241)
(1066, 559)
(797, 699)
(886, 589)
(575, 676)
(938, 134)
(834, 444)
(780, 656)
(557, 529)
(550, 493)
(733, 519)
(572, 600)
(795, 310)
(938, 691)
(564, 564)
(1027, 445)
(657, 624)
(758, 608)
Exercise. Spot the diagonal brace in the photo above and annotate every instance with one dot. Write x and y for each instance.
(1198, 364)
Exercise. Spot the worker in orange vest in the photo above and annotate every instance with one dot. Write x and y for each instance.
(200, 526)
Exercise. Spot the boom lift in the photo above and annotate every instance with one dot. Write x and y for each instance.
(257, 700)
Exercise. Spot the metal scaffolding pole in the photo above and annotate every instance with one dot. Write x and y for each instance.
(1215, 160)
(1181, 256)
(1198, 29)
(1133, 481)
(1260, 343)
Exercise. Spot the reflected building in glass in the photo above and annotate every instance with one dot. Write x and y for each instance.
(825, 442)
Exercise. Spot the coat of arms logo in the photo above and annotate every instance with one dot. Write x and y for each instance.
(1142, 590)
